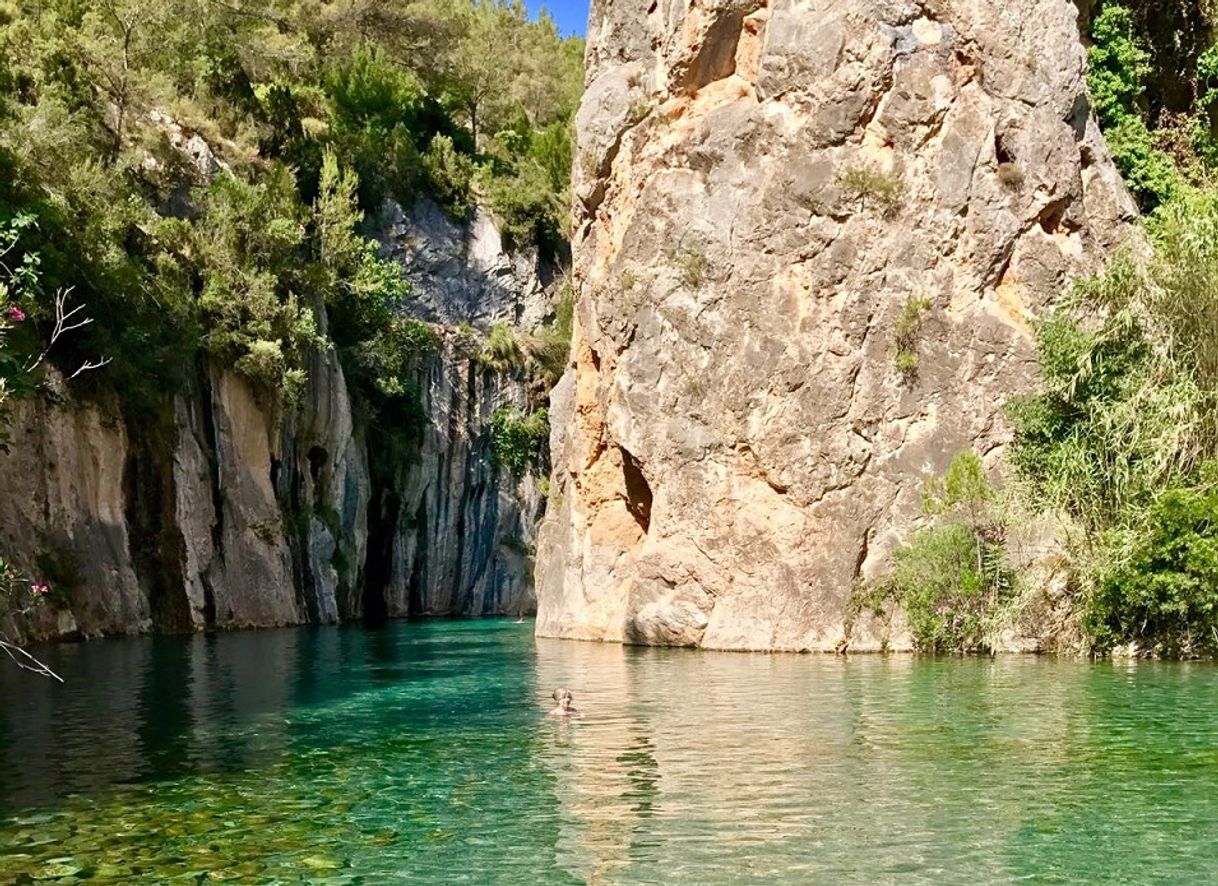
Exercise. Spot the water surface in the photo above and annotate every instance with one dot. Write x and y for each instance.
(420, 753)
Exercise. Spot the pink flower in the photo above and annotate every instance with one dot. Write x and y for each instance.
(943, 610)
(15, 313)
(39, 590)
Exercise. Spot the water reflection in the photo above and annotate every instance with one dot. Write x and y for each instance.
(422, 753)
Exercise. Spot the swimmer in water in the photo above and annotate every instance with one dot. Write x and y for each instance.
(562, 705)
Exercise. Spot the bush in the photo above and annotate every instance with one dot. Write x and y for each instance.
(391, 358)
(526, 184)
(1129, 404)
(549, 349)
(518, 441)
(1151, 175)
(692, 266)
(501, 351)
(1160, 589)
(951, 580)
(1118, 66)
(249, 245)
(905, 332)
(527, 207)
(450, 175)
(870, 187)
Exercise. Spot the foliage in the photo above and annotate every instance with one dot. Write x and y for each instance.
(1128, 406)
(873, 188)
(1159, 588)
(169, 159)
(526, 184)
(1151, 175)
(549, 348)
(518, 440)
(692, 266)
(906, 330)
(502, 351)
(392, 358)
(20, 597)
(951, 580)
(1134, 77)
(451, 175)
(249, 244)
(1127, 421)
(1011, 175)
(17, 276)
(1117, 64)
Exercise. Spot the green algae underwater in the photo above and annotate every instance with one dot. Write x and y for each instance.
(421, 753)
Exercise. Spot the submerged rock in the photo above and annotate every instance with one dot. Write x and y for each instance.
(762, 191)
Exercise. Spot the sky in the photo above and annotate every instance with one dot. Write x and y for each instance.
(571, 15)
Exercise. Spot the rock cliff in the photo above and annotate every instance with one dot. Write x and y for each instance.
(228, 513)
(811, 238)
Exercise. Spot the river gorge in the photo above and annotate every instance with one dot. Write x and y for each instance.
(823, 391)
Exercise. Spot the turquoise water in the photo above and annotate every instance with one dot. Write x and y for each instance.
(421, 754)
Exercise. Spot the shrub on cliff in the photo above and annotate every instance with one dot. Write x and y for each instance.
(549, 348)
(518, 440)
(501, 351)
(250, 257)
(951, 580)
(451, 175)
(526, 183)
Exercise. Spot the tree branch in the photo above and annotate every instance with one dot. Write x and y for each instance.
(27, 662)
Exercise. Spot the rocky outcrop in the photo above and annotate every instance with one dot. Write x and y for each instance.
(63, 508)
(226, 512)
(460, 272)
(762, 189)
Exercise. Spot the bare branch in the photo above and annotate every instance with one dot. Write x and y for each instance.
(64, 324)
(27, 662)
(89, 366)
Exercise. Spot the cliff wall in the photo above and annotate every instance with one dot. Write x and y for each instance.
(229, 512)
(811, 239)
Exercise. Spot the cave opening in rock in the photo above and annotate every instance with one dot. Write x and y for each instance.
(383, 516)
(317, 460)
(1002, 151)
(638, 490)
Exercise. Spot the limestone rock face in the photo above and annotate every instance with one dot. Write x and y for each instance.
(229, 512)
(63, 507)
(461, 272)
(761, 190)
(462, 528)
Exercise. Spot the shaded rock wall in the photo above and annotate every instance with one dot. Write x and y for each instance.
(761, 188)
(226, 513)
(462, 529)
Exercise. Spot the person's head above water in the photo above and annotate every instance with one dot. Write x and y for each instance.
(563, 699)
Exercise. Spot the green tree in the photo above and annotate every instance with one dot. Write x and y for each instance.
(249, 242)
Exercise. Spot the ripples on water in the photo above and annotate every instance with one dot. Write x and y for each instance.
(421, 754)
